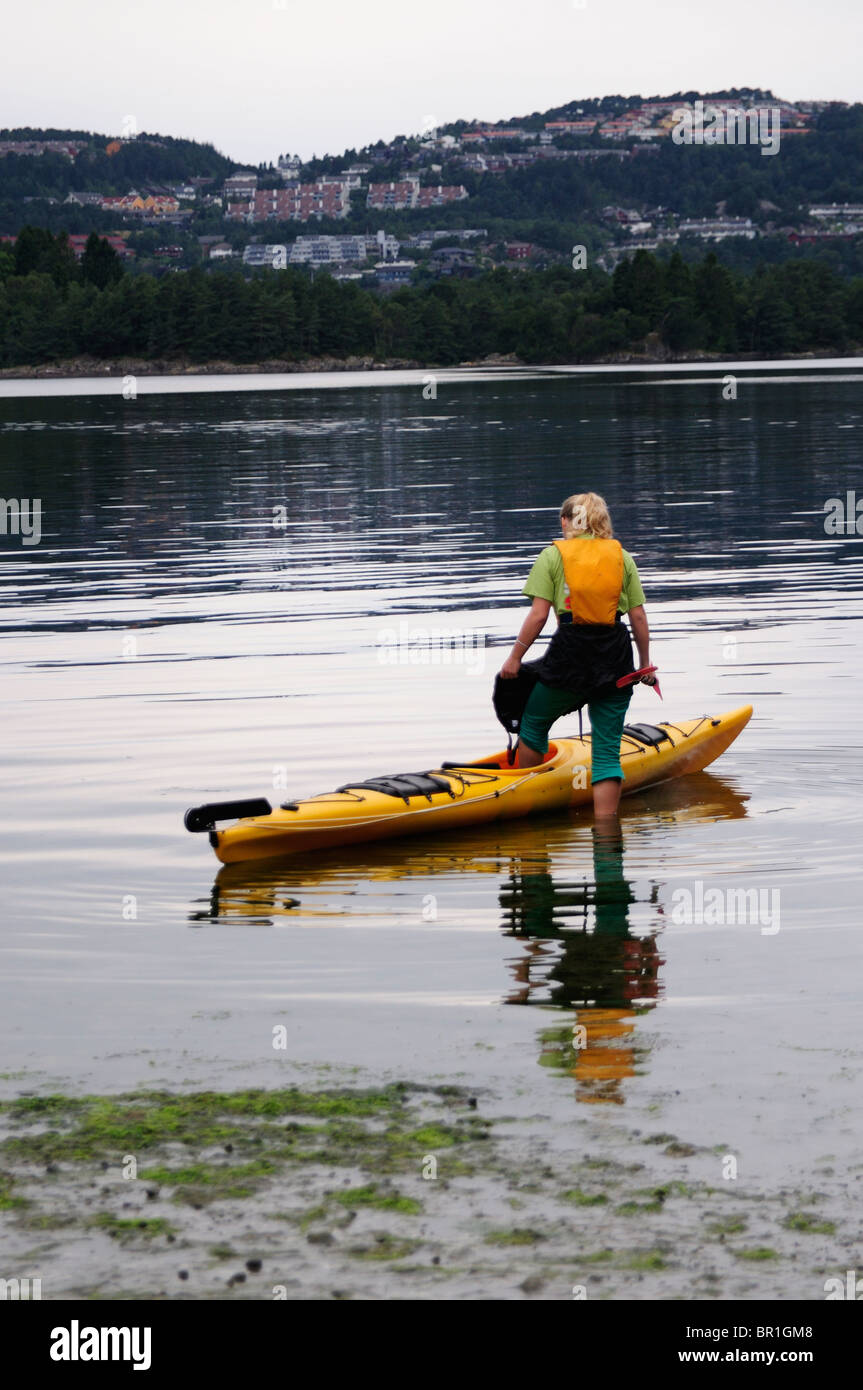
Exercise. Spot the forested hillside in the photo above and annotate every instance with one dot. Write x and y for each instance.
(558, 315)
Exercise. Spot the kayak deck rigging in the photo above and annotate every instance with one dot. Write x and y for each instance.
(460, 793)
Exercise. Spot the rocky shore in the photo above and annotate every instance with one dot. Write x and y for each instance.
(181, 366)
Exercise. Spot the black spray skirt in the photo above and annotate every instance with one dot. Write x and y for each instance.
(586, 658)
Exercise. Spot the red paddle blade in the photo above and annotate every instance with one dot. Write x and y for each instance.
(636, 675)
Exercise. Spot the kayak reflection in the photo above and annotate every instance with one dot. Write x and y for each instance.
(390, 879)
(579, 953)
(579, 946)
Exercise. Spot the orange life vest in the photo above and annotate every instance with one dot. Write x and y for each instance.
(593, 575)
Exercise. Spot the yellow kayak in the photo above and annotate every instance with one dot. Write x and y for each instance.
(460, 794)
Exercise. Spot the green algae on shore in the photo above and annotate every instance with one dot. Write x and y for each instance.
(109, 1128)
(123, 1229)
(7, 1201)
(327, 1190)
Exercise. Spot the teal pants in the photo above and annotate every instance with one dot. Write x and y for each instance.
(607, 718)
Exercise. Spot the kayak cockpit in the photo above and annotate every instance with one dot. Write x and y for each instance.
(499, 762)
(407, 785)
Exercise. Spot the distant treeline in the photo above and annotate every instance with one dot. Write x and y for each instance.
(147, 159)
(52, 308)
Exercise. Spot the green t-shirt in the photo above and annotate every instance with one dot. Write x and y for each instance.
(546, 581)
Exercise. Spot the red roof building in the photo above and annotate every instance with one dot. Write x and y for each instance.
(78, 242)
(293, 204)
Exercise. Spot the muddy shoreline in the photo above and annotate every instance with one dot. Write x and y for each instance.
(396, 1191)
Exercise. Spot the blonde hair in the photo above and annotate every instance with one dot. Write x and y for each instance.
(586, 511)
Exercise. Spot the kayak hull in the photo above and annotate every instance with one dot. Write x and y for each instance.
(474, 793)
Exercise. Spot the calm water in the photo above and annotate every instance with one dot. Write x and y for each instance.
(167, 644)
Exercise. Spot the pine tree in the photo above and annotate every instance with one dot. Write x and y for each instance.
(100, 264)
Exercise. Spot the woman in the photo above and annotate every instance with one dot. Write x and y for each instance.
(591, 581)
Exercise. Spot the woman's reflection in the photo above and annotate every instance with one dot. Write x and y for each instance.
(602, 971)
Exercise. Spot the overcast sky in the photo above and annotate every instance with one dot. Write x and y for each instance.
(259, 78)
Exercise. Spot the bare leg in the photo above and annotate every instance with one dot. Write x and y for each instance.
(606, 797)
(606, 836)
(527, 756)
